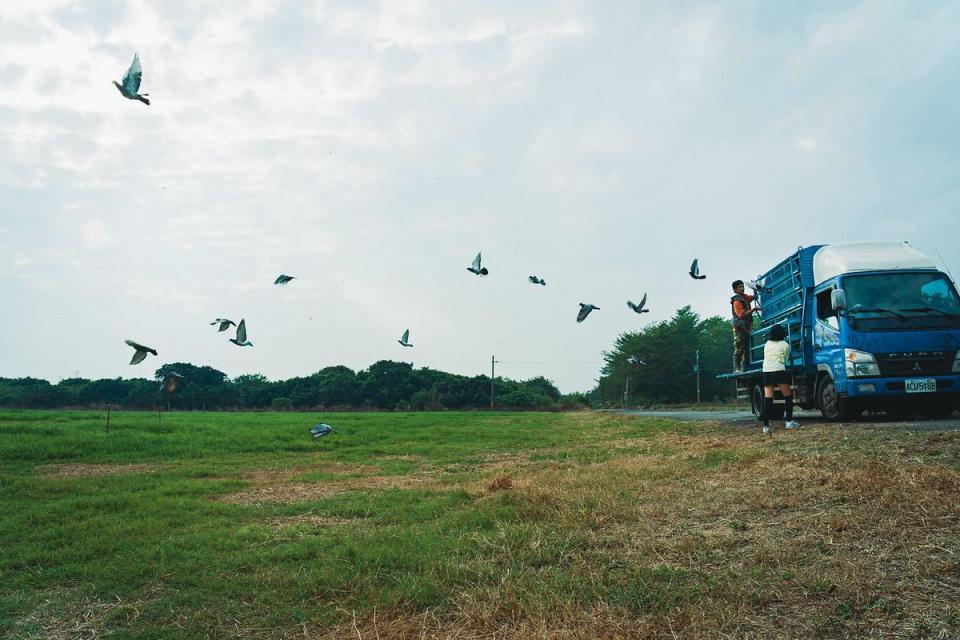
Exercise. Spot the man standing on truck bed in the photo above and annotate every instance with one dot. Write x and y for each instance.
(742, 326)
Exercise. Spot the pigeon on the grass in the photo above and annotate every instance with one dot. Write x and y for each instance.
(639, 308)
(695, 271)
(405, 339)
(141, 352)
(131, 82)
(241, 339)
(476, 268)
(536, 280)
(283, 279)
(585, 310)
(224, 324)
(320, 430)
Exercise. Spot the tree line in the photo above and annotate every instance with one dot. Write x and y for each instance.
(385, 385)
(660, 362)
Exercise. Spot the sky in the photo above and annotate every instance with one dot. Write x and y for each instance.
(372, 149)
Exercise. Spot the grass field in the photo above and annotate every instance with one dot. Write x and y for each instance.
(472, 525)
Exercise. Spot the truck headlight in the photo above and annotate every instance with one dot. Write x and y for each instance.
(956, 362)
(860, 363)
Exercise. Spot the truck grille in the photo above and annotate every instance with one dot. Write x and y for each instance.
(931, 363)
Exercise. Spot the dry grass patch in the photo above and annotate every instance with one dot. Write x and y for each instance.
(470, 622)
(336, 467)
(60, 471)
(311, 520)
(61, 615)
(801, 535)
(499, 483)
(277, 487)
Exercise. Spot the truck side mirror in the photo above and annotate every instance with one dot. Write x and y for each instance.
(838, 300)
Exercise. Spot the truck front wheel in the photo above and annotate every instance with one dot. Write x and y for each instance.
(937, 411)
(832, 406)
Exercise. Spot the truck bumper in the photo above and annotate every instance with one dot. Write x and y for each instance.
(872, 387)
(948, 389)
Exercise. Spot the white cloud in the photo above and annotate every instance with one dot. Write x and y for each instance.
(95, 235)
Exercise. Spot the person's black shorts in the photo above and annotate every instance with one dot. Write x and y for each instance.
(773, 378)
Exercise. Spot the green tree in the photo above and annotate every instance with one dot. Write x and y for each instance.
(660, 361)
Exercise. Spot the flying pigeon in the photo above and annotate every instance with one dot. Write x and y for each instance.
(695, 271)
(283, 279)
(634, 360)
(639, 307)
(756, 286)
(241, 339)
(404, 340)
(536, 280)
(141, 353)
(224, 323)
(320, 430)
(131, 82)
(475, 267)
(170, 382)
(585, 310)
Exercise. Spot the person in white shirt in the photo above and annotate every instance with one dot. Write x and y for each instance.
(775, 374)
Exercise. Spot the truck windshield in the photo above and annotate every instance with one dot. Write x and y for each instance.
(902, 300)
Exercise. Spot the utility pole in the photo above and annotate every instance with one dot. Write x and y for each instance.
(492, 362)
(697, 368)
(637, 362)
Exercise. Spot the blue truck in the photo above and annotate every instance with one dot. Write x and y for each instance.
(872, 326)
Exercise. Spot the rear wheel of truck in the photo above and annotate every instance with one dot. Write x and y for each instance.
(832, 406)
(756, 404)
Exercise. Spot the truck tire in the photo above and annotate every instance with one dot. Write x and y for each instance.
(937, 411)
(833, 407)
(756, 404)
(756, 400)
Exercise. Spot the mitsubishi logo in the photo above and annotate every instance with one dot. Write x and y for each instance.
(916, 366)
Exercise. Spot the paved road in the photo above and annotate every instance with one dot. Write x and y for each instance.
(745, 418)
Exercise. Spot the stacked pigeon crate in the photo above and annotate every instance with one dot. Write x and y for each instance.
(783, 298)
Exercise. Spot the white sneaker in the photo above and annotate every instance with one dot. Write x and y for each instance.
(766, 430)
(791, 424)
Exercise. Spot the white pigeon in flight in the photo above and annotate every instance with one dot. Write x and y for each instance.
(585, 310)
(241, 339)
(476, 268)
(131, 82)
(141, 353)
(639, 308)
(405, 339)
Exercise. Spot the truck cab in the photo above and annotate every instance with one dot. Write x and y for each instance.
(872, 326)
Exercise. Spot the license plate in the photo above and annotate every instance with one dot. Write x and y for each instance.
(921, 385)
